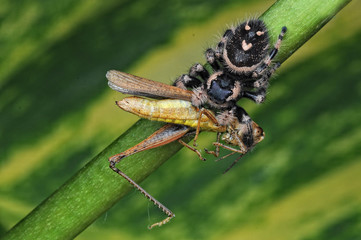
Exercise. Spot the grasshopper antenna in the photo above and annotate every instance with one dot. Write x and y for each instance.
(225, 156)
(234, 163)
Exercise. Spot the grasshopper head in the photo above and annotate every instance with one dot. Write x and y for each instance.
(243, 132)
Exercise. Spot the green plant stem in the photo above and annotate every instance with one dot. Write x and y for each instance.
(95, 188)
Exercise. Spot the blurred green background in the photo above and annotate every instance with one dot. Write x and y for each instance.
(56, 112)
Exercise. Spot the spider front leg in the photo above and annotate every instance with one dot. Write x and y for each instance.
(212, 56)
(220, 47)
(185, 81)
(197, 70)
(215, 56)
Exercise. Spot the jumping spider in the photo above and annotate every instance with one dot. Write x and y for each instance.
(241, 67)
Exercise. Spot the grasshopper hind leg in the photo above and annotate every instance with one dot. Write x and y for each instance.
(164, 135)
(169, 213)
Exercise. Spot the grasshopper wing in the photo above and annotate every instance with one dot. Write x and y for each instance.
(129, 84)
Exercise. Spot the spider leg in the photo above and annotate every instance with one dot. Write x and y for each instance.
(272, 54)
(263, 81)
(277, 46)
(215, 56)
(197, 70)
(193, 78)
(258, 96)
(185, 81)
(258, 83)
(212, 57)
(261, 85)
(220, 47)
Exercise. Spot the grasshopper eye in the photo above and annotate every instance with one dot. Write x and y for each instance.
(258, 134)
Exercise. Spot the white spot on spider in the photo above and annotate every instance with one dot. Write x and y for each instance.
(247, 27)
(259, 33)
(245, 118)
(259, 99)
(246, 46)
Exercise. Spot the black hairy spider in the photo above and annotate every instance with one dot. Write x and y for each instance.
(241, 67)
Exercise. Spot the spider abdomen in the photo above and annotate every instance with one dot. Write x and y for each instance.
(245, 46)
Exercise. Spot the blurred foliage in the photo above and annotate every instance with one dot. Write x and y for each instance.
(302, 182)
